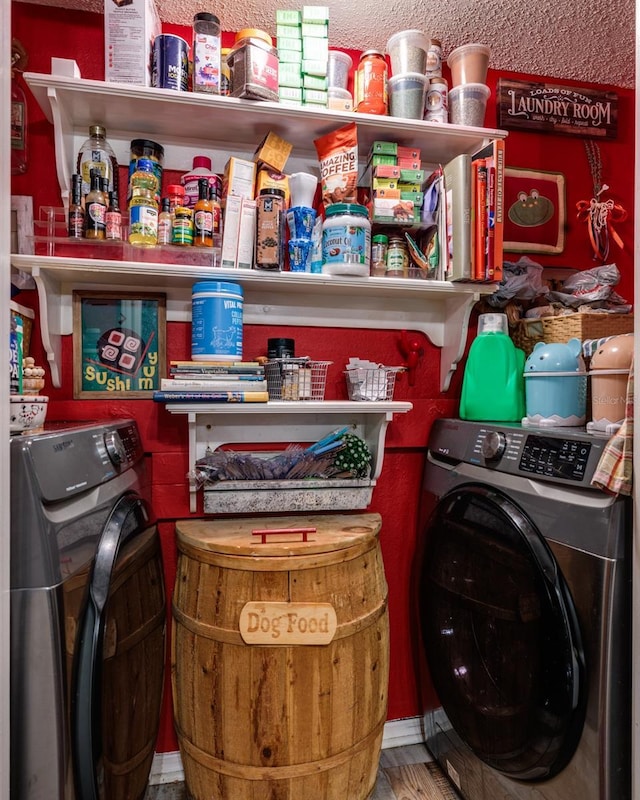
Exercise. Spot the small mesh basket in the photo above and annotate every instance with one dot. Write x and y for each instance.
(296, 378)
(371, 383)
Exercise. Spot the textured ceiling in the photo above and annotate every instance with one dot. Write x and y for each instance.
(577, 39)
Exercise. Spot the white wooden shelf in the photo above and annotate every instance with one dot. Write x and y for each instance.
(439, 309)
(188, 124)
(211, 426)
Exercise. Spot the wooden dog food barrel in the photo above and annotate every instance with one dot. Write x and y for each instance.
(280, 657)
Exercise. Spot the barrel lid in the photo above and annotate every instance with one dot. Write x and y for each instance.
(216, 286)
(235, 537)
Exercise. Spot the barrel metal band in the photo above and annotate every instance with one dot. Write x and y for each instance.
(287, 772)
(228, 636)
(266, 563)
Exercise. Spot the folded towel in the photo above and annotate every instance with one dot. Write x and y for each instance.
(614, 472)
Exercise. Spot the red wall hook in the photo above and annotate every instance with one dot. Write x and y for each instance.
(412, 351)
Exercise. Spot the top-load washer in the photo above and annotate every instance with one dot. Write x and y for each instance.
(524, 603)
(87, 615)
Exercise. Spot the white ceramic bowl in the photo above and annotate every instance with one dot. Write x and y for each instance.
(28, 412)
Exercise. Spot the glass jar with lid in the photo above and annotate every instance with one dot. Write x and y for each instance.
(379, 245)
(370, 83)
(397, 258)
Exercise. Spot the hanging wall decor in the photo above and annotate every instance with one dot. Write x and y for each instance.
(600, 214)
(535, 211)
(553, 108)
(118, 344)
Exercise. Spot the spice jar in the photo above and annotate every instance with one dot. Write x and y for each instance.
(397, 258)
(270, 229)
(253, 63)
(370, 83)
(182, 231)
(434, 59)
(379, 245)
(206, 53)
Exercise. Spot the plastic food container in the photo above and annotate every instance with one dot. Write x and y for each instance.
(408, 52)
(609, 375)
(469, 64)
(555, 385)
(253, 63)
(338, 69)
(407, 94)
(468, 104)
(216, 321)
(339, 99)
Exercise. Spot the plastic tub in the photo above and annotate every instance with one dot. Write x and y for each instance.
(609, 373)
(407, 94)
(338, 69)
(408, 52)
(216, 321)
(469, 64)
(468, 104)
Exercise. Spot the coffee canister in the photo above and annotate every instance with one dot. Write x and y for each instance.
(216, 321)
(170, 63)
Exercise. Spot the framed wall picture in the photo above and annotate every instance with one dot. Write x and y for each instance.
(119, 345)
(535, 211)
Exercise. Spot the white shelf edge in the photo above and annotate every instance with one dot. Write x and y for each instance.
(440, 310)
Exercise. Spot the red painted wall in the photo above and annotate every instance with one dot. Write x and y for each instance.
(70, 34)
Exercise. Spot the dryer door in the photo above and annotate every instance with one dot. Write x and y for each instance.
(501, 635)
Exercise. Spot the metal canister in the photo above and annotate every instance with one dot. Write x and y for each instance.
(434, 59)
(170, 63)
(437, 101)
(371, 83)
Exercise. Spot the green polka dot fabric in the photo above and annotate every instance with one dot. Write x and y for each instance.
(354, 457)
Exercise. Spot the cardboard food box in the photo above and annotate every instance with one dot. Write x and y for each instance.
(273, 151)
(130, 26)
(238, 178)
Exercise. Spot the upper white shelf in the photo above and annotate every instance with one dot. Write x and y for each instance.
(188, 124)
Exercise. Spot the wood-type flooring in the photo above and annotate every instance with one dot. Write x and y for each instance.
(405, 773)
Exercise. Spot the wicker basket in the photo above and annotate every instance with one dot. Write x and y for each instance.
(528, 332)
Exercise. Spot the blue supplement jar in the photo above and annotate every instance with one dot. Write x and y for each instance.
(216, 321)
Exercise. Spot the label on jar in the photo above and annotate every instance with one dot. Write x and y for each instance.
(143, 221)
(345, 244)
(206, 63)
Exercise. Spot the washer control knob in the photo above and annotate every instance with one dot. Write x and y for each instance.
(115, 447)
(493, 445)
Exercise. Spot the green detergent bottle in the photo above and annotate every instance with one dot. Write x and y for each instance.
(493, 383)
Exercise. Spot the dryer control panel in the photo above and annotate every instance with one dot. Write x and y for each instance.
(560, 455)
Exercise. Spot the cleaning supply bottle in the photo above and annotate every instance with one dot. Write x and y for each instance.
(493, 383)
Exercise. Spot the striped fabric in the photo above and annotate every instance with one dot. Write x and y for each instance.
(614, 472)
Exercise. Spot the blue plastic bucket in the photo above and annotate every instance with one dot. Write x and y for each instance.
(555, 398)
(216, 321)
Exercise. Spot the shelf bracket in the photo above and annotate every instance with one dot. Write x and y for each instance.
(50, 304)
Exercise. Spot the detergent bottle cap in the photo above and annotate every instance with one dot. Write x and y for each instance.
(493, 323)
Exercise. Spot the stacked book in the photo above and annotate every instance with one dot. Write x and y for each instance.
(213, 382)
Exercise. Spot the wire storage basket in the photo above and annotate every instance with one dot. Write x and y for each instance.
(371, 383)
(296, 378)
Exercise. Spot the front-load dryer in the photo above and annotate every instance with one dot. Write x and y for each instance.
(524, 598)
